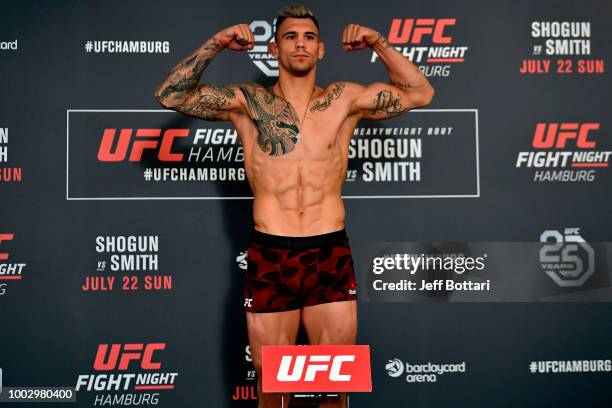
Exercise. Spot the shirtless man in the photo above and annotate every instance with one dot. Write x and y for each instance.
(296, 136)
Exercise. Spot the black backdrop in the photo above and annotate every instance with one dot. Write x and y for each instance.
(469, 190)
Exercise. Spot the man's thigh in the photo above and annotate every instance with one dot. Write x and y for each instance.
(331, 323)
(278, 328)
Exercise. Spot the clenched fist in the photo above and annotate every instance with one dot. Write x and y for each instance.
(238, 37)
(356, 37)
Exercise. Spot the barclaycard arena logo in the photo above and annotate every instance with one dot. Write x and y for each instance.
(125, 375)
(421, 373)
(263, 32)
(561, 47)
(567, 258)
(428, 43)
(565, 152)
(395, 367)
(9, 271)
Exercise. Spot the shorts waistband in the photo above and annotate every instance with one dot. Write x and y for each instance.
(312, 241)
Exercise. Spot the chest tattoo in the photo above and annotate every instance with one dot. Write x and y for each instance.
(275, 119)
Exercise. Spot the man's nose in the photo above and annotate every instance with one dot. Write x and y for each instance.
(299, 42)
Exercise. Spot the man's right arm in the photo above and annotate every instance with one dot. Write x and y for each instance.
(180, 90)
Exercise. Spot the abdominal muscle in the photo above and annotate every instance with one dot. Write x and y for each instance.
(274, 216)
(298, 194)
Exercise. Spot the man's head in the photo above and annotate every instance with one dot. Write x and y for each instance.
(297, 44)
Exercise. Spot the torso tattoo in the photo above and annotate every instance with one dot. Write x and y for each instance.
(275, 119)
(333, 94)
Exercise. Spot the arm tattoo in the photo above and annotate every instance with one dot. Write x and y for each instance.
(208, 102)
(185, 76)
(275, 119)
(388, 104)
(335, 93)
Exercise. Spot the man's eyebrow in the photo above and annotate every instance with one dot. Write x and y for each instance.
(295, 32)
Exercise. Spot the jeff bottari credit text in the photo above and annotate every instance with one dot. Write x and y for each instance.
(412, 263)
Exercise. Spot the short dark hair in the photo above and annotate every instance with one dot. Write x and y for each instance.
(295, 10)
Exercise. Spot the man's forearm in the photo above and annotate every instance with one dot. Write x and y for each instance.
(402, 72)
(185, 77)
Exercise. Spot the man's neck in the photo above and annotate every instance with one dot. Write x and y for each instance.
(296, 88)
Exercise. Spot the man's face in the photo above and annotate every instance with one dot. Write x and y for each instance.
(297, 45)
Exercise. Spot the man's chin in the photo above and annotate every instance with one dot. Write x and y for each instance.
(300, 70)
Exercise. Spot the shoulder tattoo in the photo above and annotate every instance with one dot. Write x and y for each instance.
(275, 119)
(333, 94)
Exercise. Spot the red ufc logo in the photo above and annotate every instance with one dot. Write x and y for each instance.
(5, 237)
(316, 369)
(130, 352)
(145, 139)
(557, 135)
(408, 31)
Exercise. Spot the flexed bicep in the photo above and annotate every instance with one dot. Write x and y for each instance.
(380, 101)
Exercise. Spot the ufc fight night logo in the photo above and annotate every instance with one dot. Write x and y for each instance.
(412, 31)
(9, 271)
(119, 357)
(127, 367)
(426, 41)
(567, 152)
(316, 369)
(133, 154)
(143, 139)
(567, 258)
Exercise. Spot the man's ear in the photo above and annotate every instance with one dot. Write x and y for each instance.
(321, 52)
(273, 49)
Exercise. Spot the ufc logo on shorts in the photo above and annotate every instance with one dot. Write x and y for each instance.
(340, 368)
(411, 31)
(248, 302)
(548, 135)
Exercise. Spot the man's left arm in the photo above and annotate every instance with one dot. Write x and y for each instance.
(408, 87)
